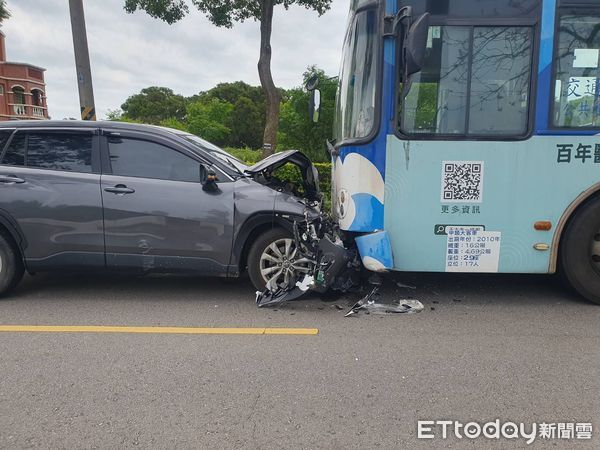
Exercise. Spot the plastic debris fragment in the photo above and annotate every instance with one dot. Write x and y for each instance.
(405, 286)
(371, 304)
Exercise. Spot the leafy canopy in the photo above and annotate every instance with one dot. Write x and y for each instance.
(4, 12)
(233, 115)
(296, 129)
(155, 104)
(209, 119)
(222, 13)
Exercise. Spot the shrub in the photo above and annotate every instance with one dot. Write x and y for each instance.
(247, 155)
(289, 172)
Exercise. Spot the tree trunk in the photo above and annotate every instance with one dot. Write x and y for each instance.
(266, 78)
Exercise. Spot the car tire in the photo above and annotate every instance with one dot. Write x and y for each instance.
(580, 252)
(11, 266)
(257, 251)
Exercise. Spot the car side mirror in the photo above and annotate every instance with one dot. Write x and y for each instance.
(208, 179)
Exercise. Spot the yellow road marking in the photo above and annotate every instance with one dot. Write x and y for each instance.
(157, 330)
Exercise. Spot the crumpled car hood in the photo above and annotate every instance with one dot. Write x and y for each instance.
(310, 175)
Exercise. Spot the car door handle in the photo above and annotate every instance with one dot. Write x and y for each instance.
(120, 189)
(11, 179)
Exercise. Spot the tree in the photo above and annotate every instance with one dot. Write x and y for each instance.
(4, 12)
(174, 123)
(223, 13)
(153, 105)
(297, 130)
(246, 121)
(231, 92)
(209, 120)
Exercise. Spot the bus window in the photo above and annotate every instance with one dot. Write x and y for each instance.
(479, 92)
(476, 8)
(355, 112)
(500, 80)
(577, 73)
(437, 101)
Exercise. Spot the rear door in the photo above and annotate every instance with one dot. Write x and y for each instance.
(50, 186)
(156, 215)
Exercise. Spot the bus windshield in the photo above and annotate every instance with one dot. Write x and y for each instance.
(356, 97)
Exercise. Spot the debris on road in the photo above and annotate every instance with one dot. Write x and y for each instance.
(405, 286)
(336, 265)
(371, 304)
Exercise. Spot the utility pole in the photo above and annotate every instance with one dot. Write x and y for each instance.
(82, 61)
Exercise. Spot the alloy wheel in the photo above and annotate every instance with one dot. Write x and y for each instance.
(281, 265)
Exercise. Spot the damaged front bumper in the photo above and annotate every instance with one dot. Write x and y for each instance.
(337, 260)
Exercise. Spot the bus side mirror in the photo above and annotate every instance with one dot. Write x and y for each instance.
(415, 45)
(314, 106)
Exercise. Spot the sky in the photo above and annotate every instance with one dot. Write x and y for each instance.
(132, 51)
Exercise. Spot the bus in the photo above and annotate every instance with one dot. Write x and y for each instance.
(467, 137)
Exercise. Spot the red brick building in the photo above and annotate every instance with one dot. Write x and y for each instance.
(22, 89)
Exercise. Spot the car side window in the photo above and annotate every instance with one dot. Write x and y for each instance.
(15, 153)
(71, 152)
(145, 159)
(4, 137)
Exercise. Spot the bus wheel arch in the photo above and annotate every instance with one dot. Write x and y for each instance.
(578, 204)
(576, 247)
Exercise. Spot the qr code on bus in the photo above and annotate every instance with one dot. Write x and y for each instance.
(462, 182)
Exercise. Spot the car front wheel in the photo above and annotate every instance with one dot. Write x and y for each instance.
(274, 259)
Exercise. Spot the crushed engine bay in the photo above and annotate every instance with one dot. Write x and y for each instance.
(332, 258)
(336, 266)
(263, 171)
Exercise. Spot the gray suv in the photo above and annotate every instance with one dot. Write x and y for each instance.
(115, 196)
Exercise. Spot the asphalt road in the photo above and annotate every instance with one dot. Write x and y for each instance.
(514, 348)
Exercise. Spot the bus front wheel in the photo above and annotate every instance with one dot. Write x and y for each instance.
(580, 251)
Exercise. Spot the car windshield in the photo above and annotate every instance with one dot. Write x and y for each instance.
(215, 151)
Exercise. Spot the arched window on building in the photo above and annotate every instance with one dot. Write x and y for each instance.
(19, 95)
(19, 101)
(37, 99)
